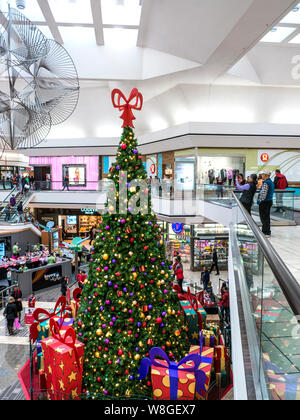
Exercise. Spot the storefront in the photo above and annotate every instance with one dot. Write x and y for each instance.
(206, 167)
(82, 172)
(74, 222)
(195, 244)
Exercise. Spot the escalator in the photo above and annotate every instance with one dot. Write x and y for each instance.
(265, 315)
(20, 197)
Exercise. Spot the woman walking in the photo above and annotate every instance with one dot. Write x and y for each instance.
(178, 270)
(10, 312)
(17, 295)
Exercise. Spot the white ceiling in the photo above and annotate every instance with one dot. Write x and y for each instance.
(144, 39)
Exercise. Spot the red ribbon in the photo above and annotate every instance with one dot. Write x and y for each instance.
(124, 105)
(47, 315)
(69, 338)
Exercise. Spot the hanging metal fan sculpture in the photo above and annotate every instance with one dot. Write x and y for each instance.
(42, 83)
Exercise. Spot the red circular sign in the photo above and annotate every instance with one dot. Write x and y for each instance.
(152, 169)
(265, 157)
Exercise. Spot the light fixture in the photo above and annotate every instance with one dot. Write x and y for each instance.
(21, 4)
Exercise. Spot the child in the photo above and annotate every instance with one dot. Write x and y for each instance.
(11, 313)
(31, 301)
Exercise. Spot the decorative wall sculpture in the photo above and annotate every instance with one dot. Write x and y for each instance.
(42, 83)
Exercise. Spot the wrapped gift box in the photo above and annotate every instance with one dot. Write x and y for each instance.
(171, 380)
(213, 319)
(40, 361)
(42, 380)
(207, 356)
(208, 338)
(63, 357)
(29, 317)
(221, 366)
(215, 328)
(191, 319)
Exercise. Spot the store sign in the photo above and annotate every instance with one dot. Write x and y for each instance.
(177, 227)
(153, 169)
(88, 212)
(265, 157)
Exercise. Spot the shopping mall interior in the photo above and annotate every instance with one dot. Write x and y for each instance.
(149, 200)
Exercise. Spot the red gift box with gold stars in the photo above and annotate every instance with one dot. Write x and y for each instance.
(207, 356)
(63, 359)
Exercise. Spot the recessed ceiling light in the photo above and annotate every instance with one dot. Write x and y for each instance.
(278, 34)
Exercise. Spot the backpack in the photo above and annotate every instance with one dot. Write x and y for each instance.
(282, 183)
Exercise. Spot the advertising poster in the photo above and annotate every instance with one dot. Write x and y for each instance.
(77, 175)
(287, 161)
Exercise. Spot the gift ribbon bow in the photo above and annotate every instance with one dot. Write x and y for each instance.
(126, 106)
(194, 304)
(68, 338)
(77, 294)
(61, 302)
(174, 368)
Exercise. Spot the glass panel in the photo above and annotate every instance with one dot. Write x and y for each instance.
(276, 326)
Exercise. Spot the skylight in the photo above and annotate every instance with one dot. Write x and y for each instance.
(295, 40)
(71, 11)
(120, 37)
(293, 16)
(278, 34)
(121, 12)
(82, 36)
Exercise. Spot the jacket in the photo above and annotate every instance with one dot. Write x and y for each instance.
(280, 182)
(179, 272)
(11, 311)
(267, 192)
(249, 191)
(225, 300)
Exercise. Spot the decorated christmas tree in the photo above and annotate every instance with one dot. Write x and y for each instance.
(128, 304)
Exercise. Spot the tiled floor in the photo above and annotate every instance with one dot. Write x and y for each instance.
(286, 241)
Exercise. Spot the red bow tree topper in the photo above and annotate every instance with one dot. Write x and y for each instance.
(135, 101)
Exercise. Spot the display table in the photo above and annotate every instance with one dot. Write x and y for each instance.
(42, 277)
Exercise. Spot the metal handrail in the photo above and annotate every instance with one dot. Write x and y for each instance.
(6, 198)
(287, 282)
(4, 293)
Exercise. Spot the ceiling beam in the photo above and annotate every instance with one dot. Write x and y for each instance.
(47, 12)
(97, 19)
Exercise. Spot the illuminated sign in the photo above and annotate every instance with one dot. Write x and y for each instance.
(177, 227)
(153, 169)
(265, 157)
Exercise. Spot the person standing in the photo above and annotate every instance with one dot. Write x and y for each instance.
(281, 184)
(12, 201)
(31, 301)
(259, 182)
(7, 213)
(220, 187)
(215, 262)
(20, 211)
(17, 295)
(10, 313)
(249, 191)
(178, 270)
(205, 278)
(224, 304)
(64, 286)
(16, 250)
(265, 202)
(4, 182)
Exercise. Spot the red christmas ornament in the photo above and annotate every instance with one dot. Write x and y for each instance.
(120, 352)
(126, 106)
(124, 146)
(158, 320)
(146, 247)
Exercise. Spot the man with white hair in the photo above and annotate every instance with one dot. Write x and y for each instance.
(265, 201)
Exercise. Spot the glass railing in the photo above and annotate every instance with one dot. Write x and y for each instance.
(271, 302)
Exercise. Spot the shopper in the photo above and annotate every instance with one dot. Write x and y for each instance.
(224, 304)
(220, 187)
(51, 259)
(179, 272)
(249, 191)
(64, 286)
(241, 179)
(7, 213)
(265, 201)
(10, 313)
(215, 262)
(17, 295)
(259, 182)
(92, 234)
(12, 201)
(281, 184)
(4, 182)
(66, 182)
(16, 250)
(20, 211)
(205, 277)
(31, 301)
